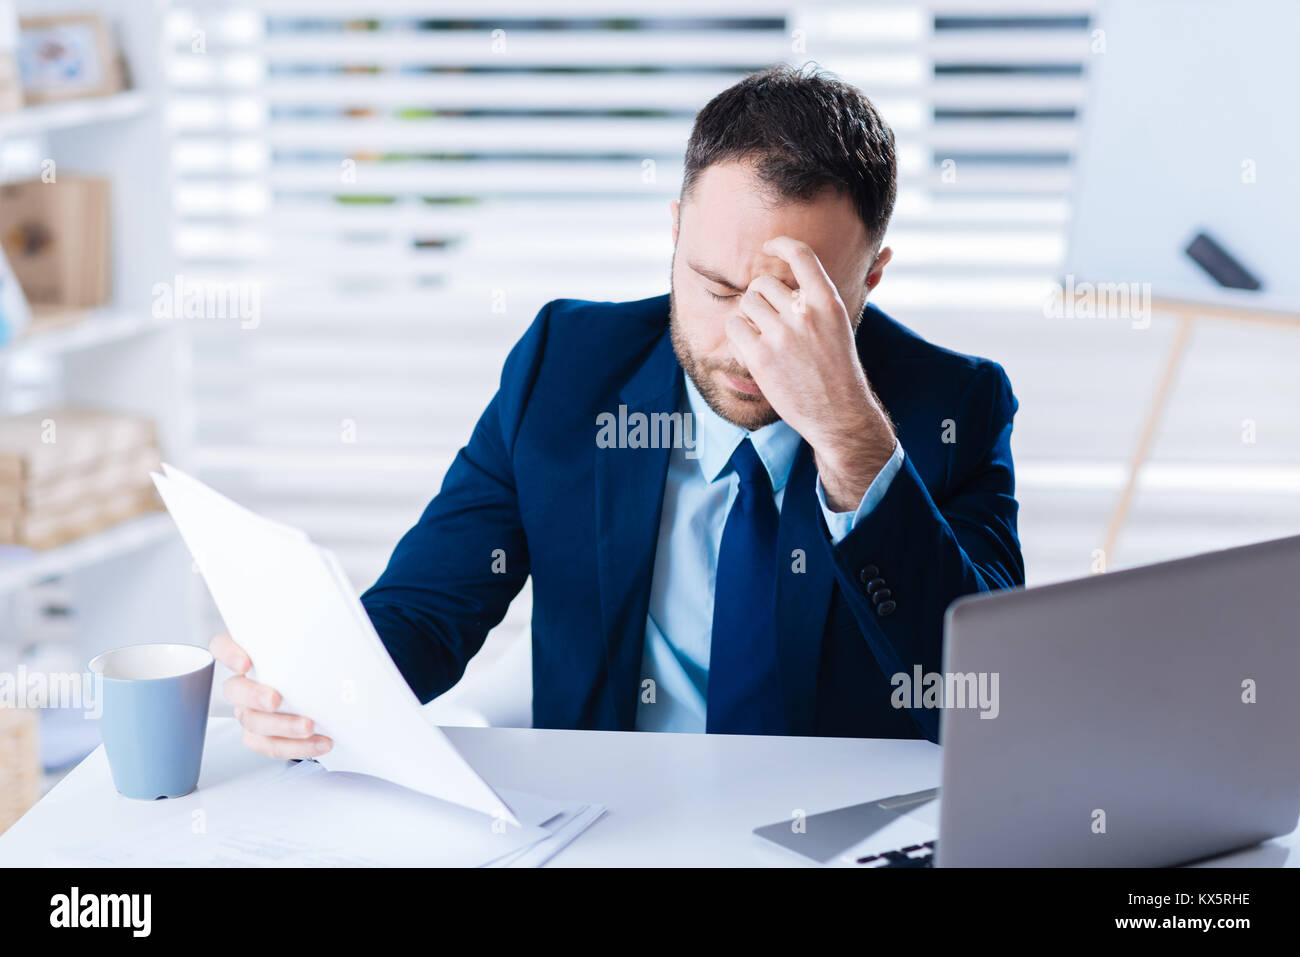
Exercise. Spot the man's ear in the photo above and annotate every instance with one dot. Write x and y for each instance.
(878, 268)
(676, 208)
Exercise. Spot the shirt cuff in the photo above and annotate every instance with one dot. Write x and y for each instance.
(839, 524)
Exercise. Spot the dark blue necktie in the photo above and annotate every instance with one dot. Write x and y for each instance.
(744, 690)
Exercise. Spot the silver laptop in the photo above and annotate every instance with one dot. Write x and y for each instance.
(1145, 717)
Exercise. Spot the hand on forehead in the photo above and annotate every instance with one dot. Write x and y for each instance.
(791, 261)
(730, 218)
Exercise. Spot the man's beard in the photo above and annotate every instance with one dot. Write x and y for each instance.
(749, 412)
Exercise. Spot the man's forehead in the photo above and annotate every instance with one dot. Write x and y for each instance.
(734, 258)
(738, 270)
(725, 223)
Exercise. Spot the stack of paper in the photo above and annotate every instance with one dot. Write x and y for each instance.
(287, 602)
(300, 815)
(562, 830)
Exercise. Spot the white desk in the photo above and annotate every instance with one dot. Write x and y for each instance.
(673, 799)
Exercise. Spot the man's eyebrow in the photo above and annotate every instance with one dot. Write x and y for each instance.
(712, 276)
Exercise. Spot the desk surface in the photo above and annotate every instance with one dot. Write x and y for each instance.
(673, 799)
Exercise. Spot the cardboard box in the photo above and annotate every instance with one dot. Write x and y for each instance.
(49, 444)
(20, 763)
(49, 530)
(56, 237)
(11, 92)
(101, 478)
(68, 472)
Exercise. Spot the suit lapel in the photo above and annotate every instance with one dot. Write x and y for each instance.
(629, 498)
(804, 582)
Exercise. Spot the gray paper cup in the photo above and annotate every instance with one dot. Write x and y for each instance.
(154, 703)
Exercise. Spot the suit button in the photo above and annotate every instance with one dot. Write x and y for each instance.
(875, 585)
(885, 608)
(881, 594)
(868, 573)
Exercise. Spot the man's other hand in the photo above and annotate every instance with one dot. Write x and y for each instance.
(266, 731)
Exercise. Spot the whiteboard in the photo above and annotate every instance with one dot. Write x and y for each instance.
(1191, 123)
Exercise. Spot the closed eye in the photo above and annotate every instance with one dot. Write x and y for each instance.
(717, 279)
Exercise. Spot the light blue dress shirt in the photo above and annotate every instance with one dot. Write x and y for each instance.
(698, 495)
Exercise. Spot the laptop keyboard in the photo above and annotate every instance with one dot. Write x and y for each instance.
(914, 855)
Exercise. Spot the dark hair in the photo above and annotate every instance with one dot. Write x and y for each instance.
(804, 130)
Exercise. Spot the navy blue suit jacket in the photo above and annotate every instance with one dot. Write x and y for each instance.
(532, 488)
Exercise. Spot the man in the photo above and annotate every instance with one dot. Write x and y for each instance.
(833, 483)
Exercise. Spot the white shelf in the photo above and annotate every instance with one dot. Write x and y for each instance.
(98, 328)
(18, 571)
(71, 113)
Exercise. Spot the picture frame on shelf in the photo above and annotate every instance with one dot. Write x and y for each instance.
(67, 57)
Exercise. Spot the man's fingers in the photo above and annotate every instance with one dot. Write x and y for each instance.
(779, 297)
(809, 273)
(759, 309)
(225, 650)
(274, 725)
(742, 334)
(244, 692)
(287, 748)
(283, 736)
(746, 341)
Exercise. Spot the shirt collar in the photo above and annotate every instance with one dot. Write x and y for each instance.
(716, 439)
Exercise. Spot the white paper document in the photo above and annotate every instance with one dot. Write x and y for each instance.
(287, 602)
(301, 815)
(561, 830)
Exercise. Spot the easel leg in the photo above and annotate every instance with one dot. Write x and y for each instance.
(1155, 413)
